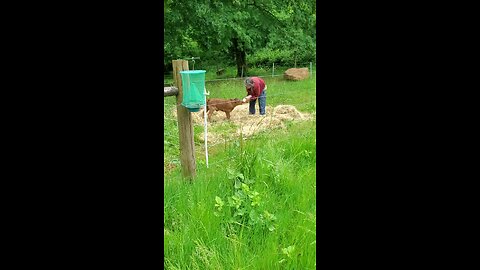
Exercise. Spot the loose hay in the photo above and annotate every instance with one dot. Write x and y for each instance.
(247, 124)
(289, 112)
(211, 137)
(259, 123)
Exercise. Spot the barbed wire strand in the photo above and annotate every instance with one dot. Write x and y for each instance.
(232, 101)
(269, 68)
(221, 90)
(238, 78)
(215, 112)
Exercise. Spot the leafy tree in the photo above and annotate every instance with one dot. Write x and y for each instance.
(236, 28)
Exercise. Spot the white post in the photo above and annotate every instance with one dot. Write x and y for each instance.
(273, 69)
(205, 119)
(242, 72)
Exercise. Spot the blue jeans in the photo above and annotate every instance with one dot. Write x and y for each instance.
(262, 103)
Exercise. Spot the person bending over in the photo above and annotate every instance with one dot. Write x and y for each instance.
(256, 89)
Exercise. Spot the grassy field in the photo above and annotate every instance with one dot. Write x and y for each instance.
(255, 206)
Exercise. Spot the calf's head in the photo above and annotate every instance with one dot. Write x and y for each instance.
(236, 101)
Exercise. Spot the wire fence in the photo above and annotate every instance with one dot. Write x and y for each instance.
(276, 71)
(232, 101)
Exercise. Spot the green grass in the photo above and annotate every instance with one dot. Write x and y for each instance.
(274, 226)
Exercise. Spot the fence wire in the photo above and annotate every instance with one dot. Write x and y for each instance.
(230, 79)
(310, 65)
(232, 101)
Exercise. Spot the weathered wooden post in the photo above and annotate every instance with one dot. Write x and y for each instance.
(170, 91)
(185, 127)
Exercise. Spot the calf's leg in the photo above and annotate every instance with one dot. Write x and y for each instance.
(211, 109)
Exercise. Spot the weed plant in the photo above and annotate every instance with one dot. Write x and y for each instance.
(255, 206)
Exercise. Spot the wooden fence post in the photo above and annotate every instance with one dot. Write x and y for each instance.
(185, 127)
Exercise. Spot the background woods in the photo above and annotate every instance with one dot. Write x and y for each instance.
(240, 33)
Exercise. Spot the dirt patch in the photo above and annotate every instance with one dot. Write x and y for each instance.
(249, 124)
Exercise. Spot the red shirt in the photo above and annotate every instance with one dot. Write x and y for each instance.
(258, 86)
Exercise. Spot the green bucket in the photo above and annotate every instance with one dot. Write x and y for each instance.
(193, 85)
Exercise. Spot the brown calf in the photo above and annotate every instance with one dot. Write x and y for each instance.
(224, 105)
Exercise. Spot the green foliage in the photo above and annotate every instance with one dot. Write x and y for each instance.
(266, 57)
(185, 47)
(243, 207)
(207, 29)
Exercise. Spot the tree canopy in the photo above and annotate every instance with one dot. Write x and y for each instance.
(229, 31)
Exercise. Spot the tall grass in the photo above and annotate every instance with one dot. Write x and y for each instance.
(255, 206)
(282, 171)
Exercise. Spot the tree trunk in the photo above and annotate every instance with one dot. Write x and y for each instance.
(295, 59)
(240, 58)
